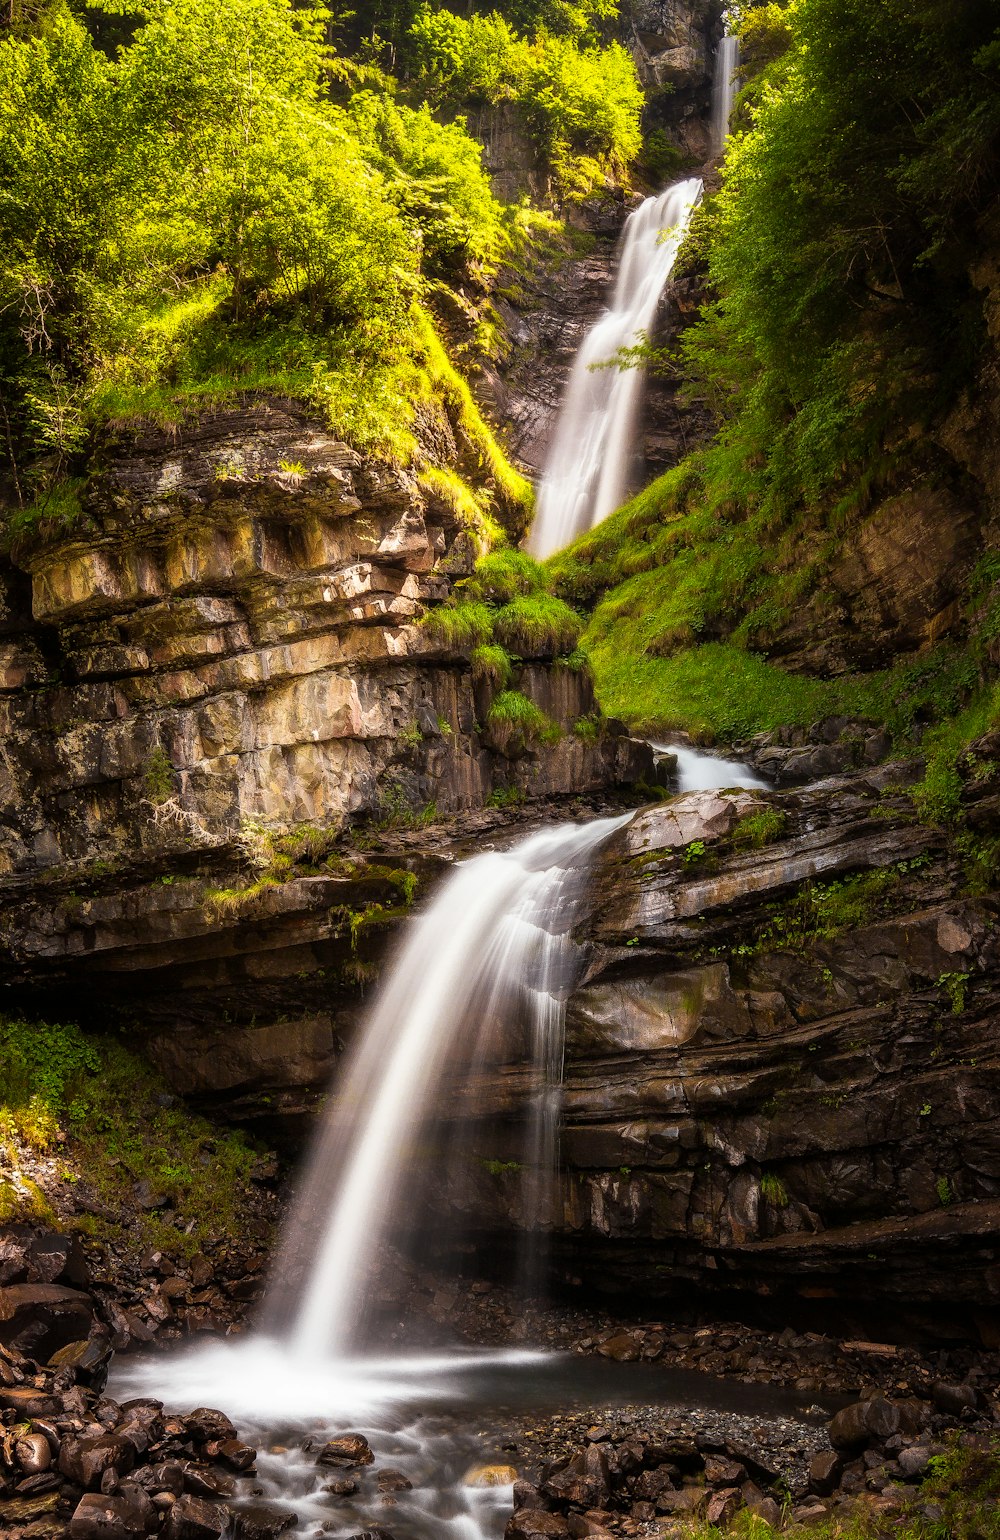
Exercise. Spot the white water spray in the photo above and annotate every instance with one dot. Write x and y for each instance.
(587, 471)
(724, 85)
(494, 947)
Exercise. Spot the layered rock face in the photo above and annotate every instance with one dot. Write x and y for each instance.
(230, 652)
(673, 43)
(781, 1068)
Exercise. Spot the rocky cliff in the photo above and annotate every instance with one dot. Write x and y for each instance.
(203, 691)
(781, 1075)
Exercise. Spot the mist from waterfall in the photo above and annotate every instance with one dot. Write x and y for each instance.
(724, 86)
(586, 474)
(491, 956)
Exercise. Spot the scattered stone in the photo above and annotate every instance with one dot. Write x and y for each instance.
(349, 1449)
(863, 1422)
(126, 1516)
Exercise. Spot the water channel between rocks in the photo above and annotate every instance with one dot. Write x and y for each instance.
(432, 1419)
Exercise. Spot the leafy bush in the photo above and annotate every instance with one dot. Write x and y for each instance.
(582, 103)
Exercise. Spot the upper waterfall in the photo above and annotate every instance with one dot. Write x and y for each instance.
(727, 59)
(587, 470)
(493, 949)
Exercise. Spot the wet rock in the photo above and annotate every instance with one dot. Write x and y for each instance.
(535, 1524)
(124, 1516)
(194, 1518)
(395, 1481)
(526, 1495)
(232, 1452)
(33, 1453)
(261, 1521)
(348, 1450)
(486, 1476)
(624, 1348)
(346, 1487)
(86, 1460)
(207, 1481)
(206, 1424)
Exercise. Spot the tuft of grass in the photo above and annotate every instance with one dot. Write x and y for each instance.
(537, 625)
(491, 665)
(460, 626)
(761, 828)
(772, 1188)
(517, 724)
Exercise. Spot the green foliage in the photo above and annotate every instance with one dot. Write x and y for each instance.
(504, 575)
(517, 724)
(492, 665)
(944, 1193)
(694, 852)
(505, 797)
(459, 626)
(761, 828)
(537, 626)
(773, 1190)
(821, 911)
(955, 986)
(116, 1124)
(844, 302)
(159, 777)
(190, 216)
(582, 104)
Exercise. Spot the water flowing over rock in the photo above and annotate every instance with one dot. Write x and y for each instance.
(586, 474)
(491, 954)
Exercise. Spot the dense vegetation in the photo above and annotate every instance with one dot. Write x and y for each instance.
(85, 1117)
(202, 200)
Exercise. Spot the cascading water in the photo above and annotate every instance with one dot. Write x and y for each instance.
(494, 947)
(724, 83)
(587, 471)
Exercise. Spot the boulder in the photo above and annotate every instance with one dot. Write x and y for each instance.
(127, 1515)
(262, 1521)
(85, 1460)
(824, 1472)
(863, 1423)
(193, 1518)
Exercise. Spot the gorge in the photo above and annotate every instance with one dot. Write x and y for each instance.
(498, 982)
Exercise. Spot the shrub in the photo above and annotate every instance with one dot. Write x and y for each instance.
(537, 625)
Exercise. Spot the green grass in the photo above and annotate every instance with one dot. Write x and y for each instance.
(537, 626)
(492, 665)
(516, 723)
(762, 828)
(113, 1123)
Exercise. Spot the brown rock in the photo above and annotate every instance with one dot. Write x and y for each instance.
(723, 1506)
(85, 1460)
(261, 1521)
(534, 1524)
(192, 1518)
(238, 1456)
(33, 1453)
(824, 1472)
(206, 1424)
(864, 1422)
(624, 1348)
(126, 1516)
(349, 1449)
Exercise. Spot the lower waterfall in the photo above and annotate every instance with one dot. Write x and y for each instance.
(494, 951)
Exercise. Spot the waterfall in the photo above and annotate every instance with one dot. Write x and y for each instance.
(727, 58)
(587, 470)
(494, 949)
